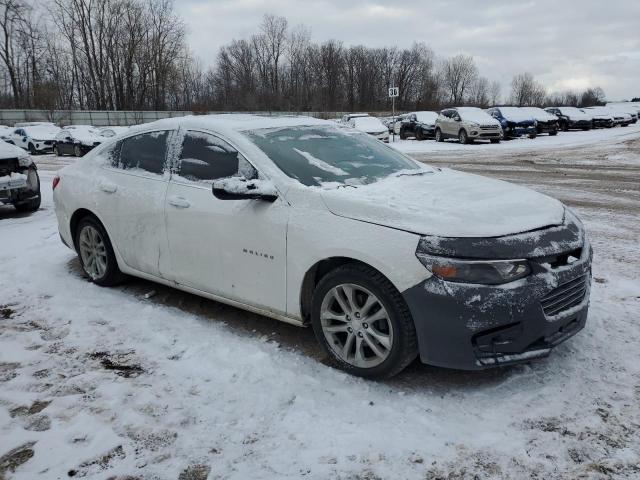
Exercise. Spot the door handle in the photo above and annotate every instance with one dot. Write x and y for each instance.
(179, 202)
(108, 187)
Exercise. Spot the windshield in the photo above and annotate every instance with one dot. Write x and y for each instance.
(42, 131)
(325, 154)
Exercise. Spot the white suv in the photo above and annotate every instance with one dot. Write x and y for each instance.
(467, 124)
(318, 224)
(35, 137)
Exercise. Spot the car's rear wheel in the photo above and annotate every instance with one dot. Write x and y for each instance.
(362, 322)
(553, 132)
(403, 135)
(565, 126)
(439, 137)
(33, 186)
(96, 253)
(77, 151)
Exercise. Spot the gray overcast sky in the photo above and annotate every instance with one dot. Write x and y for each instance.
(566, 44)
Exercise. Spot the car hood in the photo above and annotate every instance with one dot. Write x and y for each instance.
(8, 150)
(446, 203)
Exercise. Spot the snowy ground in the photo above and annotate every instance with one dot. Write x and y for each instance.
(105, 383)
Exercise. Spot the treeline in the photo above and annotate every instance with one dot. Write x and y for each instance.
(132, 55)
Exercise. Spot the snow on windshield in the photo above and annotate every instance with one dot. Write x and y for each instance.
(515, 114)
(427, 117)
(473, 114)
(328, 155)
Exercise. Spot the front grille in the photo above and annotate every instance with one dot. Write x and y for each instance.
(488, 127)
(566, 296)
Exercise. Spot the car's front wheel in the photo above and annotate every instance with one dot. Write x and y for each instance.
(362, 322)
(33, 189)
(419, 135)
(96, 253)
(463, 137)
(439, 137)
(56, 152)
(77, 151)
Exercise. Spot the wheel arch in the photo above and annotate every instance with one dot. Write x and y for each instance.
(316, 272)
(77, 217)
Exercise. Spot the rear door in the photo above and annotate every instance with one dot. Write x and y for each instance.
(131, 199)
(232, 248)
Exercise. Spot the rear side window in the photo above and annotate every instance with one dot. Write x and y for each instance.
(205, 157)
(147, 151)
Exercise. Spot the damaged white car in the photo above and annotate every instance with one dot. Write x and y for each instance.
(318, 224)
(19, 180)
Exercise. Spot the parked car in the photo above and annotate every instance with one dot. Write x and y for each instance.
(514, 121)
(545, 121)
(601, 119)
(571, 118)
(420, 125)
(393, 123)
(6, 134)
(35, 137)
(629, 109)
(349, 116)
(76, 140)
(467, 124)
(371, 126)
(407, 261)
(112, 131)
(19, 180)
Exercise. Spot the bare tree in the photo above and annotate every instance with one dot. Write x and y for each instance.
(592, 97)
(494, 93)
(458, 75)
(526, 91)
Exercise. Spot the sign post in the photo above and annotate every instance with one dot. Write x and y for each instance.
(393, 93)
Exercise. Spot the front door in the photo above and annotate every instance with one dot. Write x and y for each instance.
(232, 248)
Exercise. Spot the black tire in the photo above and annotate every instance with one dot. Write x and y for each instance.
(77, 151)
(405, 344)
(56, 152)
(553, 133)
(33, 204)
(438, 135)
(463, 137)
(403, 135)
(533, 135)
(32, 149)
(494, 140)
(419, 135)
(112, 275)
(564, 126)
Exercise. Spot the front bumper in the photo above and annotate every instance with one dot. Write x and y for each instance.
(580, 124)
(473, 327)
(547, 127)
(486, 133)
(516, 130)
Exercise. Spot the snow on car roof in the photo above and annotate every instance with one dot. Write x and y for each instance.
(515, 114)
(237, 122)
(539, 114)
(427, 117)
(368, 123)
(475, 114)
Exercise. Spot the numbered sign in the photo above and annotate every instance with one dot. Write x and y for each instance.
(394, 92)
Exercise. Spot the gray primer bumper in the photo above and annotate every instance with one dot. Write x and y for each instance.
(470, 327)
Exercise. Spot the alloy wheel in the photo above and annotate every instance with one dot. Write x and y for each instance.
(93, 252)
(356, 325)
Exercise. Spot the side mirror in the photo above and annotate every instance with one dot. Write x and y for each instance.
(457, 119)
(239, 188)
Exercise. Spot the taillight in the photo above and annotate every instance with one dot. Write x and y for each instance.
(56, 181)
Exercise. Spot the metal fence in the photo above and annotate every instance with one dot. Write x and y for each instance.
(101, 118)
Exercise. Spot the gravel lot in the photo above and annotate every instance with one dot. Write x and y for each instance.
(143, 381)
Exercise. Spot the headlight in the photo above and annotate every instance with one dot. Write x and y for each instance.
(486, 272)
(474, 124)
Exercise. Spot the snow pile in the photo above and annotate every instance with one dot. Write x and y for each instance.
(42, 132)
(13, 180)
(8, 150)
(85, 134)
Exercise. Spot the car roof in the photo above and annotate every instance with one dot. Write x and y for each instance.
(234, 122)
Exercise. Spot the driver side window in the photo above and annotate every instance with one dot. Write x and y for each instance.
(205, 158)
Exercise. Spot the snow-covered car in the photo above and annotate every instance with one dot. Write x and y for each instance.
(545, 122)
(6, 134)
(421, 125)
(19, 180)
(571, 118)
(372, 126)
(630, 109)
(467, 124)
(601, 118)
(515, 122)
(76, 140)
(347, 117)
(315, 223)
(35, 137)
(112, 131)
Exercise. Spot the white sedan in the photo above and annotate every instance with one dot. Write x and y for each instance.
(315, 223)
(372, 126)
